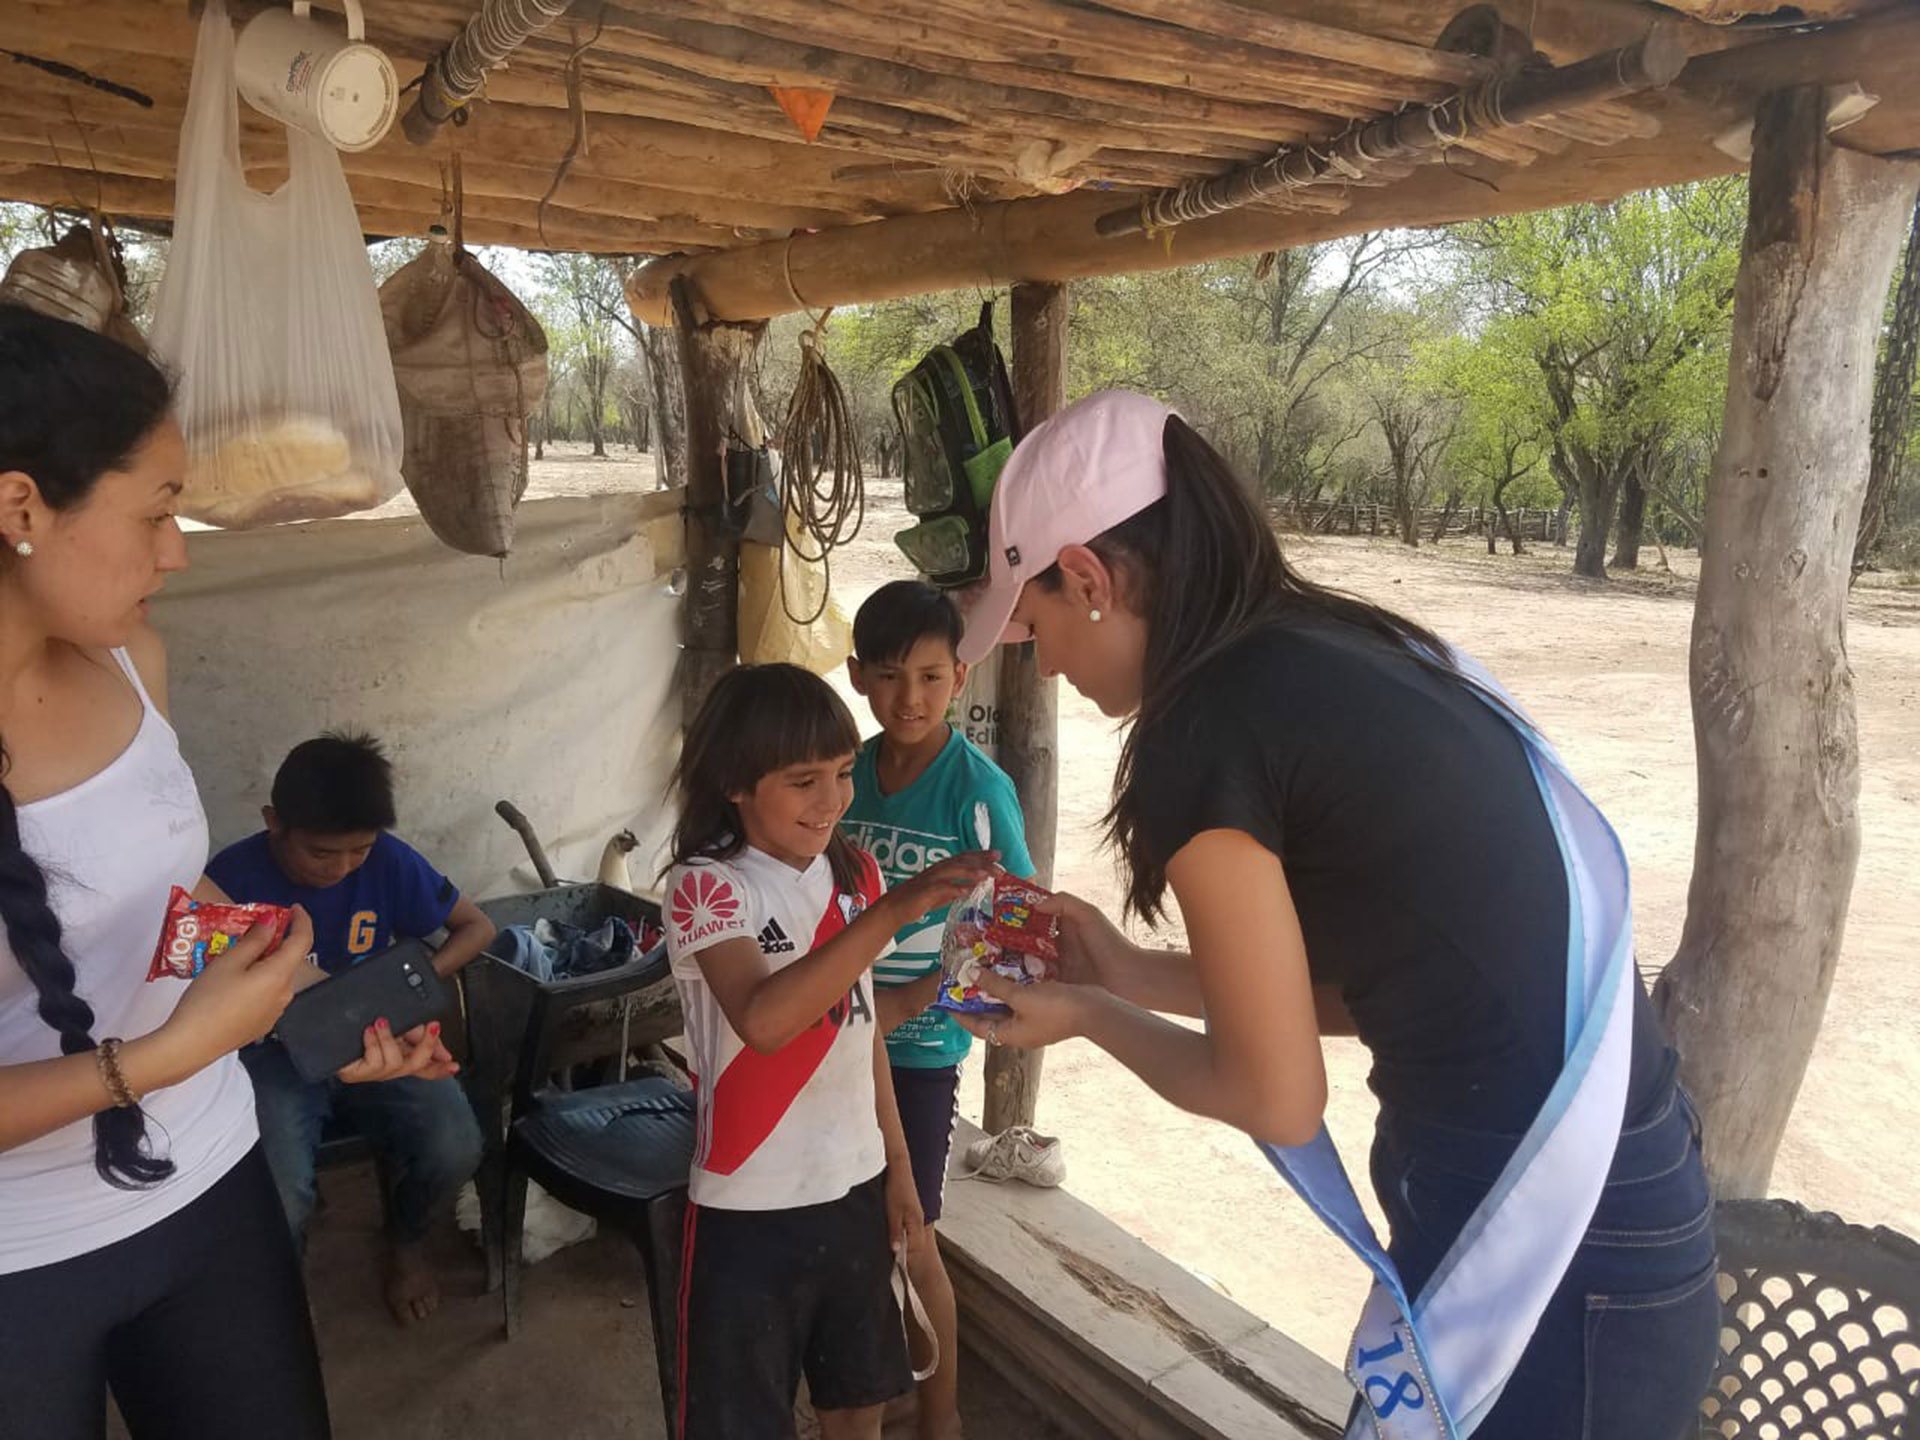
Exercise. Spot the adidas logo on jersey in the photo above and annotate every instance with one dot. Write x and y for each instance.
(774, 941)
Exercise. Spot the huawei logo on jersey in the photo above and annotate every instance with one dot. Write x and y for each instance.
(703, 905)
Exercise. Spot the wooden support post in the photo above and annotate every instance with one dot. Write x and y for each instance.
(1773, 713)
(1028, 704)
(716, 360)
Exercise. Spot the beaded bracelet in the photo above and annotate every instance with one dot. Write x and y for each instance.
(107, 1057)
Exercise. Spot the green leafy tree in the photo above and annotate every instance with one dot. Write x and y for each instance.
(1499, 445)
(1624, 311)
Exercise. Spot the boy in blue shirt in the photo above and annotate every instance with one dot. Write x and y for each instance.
(918, 788)
(326, 847)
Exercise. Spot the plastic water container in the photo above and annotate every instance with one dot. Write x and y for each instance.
(306, 74)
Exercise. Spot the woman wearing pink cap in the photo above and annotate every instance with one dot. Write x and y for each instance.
(1364, 835)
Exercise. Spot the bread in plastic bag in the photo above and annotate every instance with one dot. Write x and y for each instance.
(268, 316)
(471, 365)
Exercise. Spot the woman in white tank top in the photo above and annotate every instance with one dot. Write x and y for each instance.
(142, 1247)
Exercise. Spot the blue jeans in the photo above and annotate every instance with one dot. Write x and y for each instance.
(423, 1133)
(1629, 1341)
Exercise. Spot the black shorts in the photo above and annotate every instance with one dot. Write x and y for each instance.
(769, 1295)
(929, 1100)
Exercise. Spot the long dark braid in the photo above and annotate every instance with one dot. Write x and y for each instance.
(73, 406)
(120, 1150)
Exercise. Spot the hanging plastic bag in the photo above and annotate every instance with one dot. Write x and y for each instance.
(269, 316)
(471, 364)
(773, 591)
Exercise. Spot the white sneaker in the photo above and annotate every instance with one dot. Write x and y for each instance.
(1017, 1153)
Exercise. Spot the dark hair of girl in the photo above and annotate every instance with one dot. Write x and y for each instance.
(757, 720)
(1232, 579)
(73, 406)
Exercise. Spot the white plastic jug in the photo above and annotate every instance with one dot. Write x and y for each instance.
(303, 73)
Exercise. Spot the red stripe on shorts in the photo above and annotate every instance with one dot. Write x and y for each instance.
(686, 1295)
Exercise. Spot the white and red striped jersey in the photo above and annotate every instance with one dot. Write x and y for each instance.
(796, 1127)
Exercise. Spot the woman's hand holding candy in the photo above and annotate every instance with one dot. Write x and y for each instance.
(1092, 949)
(1043, 1012)
(237, 998)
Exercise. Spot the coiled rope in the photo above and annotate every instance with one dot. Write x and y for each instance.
(823, 494)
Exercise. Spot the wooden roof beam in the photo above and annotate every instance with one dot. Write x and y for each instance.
(1564, 30)
(879, 26)
(151, 153)
(1261, 25)
(1092, 42)
(383, 210)
(150, 46)
(988, 89)
(929, 131)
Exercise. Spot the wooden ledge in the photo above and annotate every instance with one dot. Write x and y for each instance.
(1109, 1337)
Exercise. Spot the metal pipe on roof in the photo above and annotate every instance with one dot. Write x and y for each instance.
(455, 75)
(1422, 132)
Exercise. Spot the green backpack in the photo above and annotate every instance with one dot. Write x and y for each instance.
(957, 422)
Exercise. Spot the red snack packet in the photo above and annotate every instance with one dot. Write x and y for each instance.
(1016, 924)
(197, 930)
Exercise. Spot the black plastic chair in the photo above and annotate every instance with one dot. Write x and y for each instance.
(620, 1153)
(1818, 1341)
(498, 1006)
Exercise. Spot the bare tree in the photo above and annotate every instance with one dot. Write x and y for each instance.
(1892, 402)
(1417, 431)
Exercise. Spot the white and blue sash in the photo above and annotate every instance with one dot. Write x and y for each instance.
(1430, 1366)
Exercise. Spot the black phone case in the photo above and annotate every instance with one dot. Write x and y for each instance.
(323, 1027)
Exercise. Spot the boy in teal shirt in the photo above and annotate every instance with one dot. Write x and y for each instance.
(918, 789)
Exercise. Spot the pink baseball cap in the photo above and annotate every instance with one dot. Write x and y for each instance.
(1096, 463)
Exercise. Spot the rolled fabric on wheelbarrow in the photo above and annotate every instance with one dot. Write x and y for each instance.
(553, 950)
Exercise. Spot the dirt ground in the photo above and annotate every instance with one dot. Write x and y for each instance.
(1613, 695)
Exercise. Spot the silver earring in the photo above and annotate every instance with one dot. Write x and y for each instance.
(1094, 615)
(23, 548)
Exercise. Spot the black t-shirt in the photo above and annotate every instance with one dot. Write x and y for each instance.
(1423, 866)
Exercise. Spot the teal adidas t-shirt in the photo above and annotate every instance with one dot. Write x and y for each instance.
(930, 821)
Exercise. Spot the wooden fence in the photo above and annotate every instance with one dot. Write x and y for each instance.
(1352, 517)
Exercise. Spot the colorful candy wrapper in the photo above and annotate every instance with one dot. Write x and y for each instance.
(1017, 924)
(197, 930)
(995, 927)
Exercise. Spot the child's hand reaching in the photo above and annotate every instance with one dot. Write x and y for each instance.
(938, 886)
(906, 1222)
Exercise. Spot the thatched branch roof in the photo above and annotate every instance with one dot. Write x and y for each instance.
(989, 134)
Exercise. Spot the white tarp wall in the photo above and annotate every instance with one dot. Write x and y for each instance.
(546, 680)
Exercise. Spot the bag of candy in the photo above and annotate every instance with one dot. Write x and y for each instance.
(197, 930)
(998, 927)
